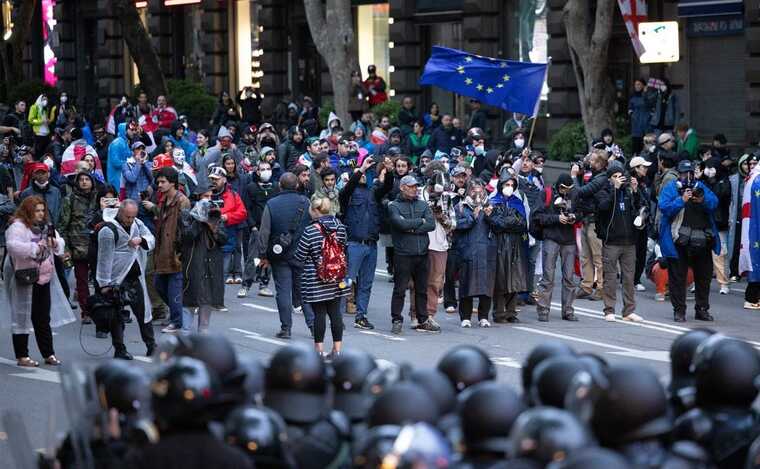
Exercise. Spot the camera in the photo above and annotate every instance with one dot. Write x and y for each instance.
(144, 195)
(217, 204)
(564, 208)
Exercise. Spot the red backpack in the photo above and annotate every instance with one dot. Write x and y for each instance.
(333, 266)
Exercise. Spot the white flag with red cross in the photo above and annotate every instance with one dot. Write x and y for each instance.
(634, 12)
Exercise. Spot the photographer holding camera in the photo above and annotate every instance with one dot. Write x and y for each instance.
(618, 205)
(687, 234)
(122, 254)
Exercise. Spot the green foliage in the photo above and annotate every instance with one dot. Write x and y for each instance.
(29, 90)
(191, 99)
(569, 141)
(389, 108)
(324, 111)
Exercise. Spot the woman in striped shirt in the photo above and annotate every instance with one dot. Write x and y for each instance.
(323, 296)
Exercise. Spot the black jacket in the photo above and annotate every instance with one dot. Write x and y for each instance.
(585, 204)
(256, 197)
(410, 220)
(616, 211)
(548, 218)
(721, 187)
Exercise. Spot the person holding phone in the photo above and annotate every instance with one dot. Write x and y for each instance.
(33, 296)
(136, 174)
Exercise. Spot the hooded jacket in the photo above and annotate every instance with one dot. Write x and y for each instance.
(118, 152)
(39, 118)
(77, 213)
(671, 207)
(617, 209)
(289, 151)
(548, 218)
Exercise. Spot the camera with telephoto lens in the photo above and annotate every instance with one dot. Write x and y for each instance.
(215, 209)
(690, 184)
(564, 208)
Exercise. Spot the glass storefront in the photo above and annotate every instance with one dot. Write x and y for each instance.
(373, 32)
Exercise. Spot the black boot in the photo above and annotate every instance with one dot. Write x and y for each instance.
(283, 334)
(122, 354)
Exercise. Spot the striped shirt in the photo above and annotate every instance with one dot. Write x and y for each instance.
(309, 252)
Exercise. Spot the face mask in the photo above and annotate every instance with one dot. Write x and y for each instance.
(519, 143)
(64, 99)
(710, 172)
(179, 160)
(265, 175)
(42, 185)
(49, 164)
(446, 166)
(43, 103)
(508, 191)
(479, 150)
(539, 169)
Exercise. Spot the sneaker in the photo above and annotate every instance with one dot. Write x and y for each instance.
(693, 288)
(171, 329)
(123, 355)
(414, 323)
(704, 316)
(659, 297)
(238, 279)
(264, 291)
(243, 292)
(428, 326)
(466, 324)
(229, 281)
(484, 323)
(86, 320)
(101, 335)
(570, 317)
(363, 323)
(283, 334)
(678, 318)
(609, 317)
(724, 290)
(221, 308)
(640, 287)
(298, 310)
(396, 327)
(633, 317)
(734, 279)
(451, 310)
(748, 305)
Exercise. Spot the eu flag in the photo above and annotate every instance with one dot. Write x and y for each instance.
(510, 85)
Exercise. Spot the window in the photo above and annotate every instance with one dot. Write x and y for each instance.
(373, 34)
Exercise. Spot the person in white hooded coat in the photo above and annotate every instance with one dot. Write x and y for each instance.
(123, 246)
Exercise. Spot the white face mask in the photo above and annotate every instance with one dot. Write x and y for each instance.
(265, 175)
(710, 172)
(446, 166)
(49, 163)
(42, 185)
(179, 160)
(519, 142)
(479, 150)
(64, 99)
(508, 191)
(43, 102)
(539, 169)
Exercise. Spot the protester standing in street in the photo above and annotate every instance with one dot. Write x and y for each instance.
(618, 205)
(411, 219)
(285, 217)
(122, 249)
(34, 298)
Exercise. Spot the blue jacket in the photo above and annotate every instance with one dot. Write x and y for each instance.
(137, 178)
(640, 115)
(361, 207)
(189, 148)
(671, 204)
(118, 152)
(281, 216)
(52, 197)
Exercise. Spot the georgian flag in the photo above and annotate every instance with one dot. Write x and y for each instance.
(749, 254)
(634, 12)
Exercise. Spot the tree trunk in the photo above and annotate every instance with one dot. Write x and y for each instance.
(588, 40)
(12, 51)
(140, 48)
(333, 33)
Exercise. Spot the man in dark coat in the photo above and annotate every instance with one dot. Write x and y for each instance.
(202, 258)
(445, 137)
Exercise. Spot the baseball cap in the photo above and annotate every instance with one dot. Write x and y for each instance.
(40, 167)
(685, 166)
(137, 145)
(216, 171)
(664, 138)
(458, 171)
(409, 180)
(639, 161)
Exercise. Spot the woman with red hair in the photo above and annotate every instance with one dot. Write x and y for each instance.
(33, 294)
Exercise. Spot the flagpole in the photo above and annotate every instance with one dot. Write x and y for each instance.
(538, 103)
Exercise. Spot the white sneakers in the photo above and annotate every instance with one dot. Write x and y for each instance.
(724, 290)
(484, 323)
(640, 287)
(748, 305)
(659, 297)
(451, 310)
(609, 317)
(466, 323)
(633, 317)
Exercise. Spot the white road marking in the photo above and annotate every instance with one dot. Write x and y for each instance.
(384, 336)
(143, 358)
(655, 355)
(506, 361)
(575, 339)
(259, 337)
(39, 374)
(262, 308)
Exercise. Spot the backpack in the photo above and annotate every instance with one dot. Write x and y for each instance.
(536, 230)
(92, 252)
(333, 265)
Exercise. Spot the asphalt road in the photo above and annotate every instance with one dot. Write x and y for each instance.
(252, 322)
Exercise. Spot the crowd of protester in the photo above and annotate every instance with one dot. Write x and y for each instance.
(150, 213)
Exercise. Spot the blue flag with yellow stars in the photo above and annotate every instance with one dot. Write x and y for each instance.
(512, 86)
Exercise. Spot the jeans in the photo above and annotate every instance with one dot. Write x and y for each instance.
(625, 256)
(701, 262)
(362, 261)
(287, 276)
(169, 288)
(550, 252)
(408, 268)
(40, 322)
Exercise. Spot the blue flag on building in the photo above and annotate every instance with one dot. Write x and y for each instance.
(512, 86)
